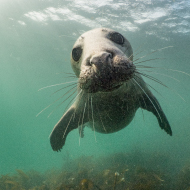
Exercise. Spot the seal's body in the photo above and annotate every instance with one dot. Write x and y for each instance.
(110, 90)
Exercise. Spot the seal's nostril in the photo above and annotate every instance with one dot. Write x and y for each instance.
(88, 62)
(110, 55)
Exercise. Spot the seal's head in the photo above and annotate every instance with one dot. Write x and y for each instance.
(102, 60)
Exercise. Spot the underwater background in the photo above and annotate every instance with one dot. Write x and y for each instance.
(36, 39)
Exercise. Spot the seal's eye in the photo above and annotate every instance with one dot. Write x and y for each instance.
(117, 38)
(76, 53)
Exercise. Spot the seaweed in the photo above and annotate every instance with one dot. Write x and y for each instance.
(183, 178)
(8, 182)
(120, 171)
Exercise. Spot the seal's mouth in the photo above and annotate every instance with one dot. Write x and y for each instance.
(113, 88)
(107, 80)
(94, 89)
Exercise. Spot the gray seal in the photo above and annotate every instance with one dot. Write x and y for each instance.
(110, 89)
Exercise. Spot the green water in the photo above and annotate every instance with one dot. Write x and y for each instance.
(36, 39)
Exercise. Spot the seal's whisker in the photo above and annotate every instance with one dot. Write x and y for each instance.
(56, 85)
(143, 97)
(147, 60)
(88, 108)
(68, 125)
(164, 98)
(71, 74)
(137, 91)
(144, 101)
(76, 98)
(140, 104)
(101, 118)
(152, 78)
(70, 102)
(130, 56)
(134, 103)
(179, 72)
(133, 106)
(54, 101)
(108, 115)
(79, 127)
(153, 52)
(63, 101)
(44, 109)
(139, 101)
(142, 114)
(156, 80)
(148, 98)
(79, 117)
(137, 53)
(63, 88)
(133, 54)
(83, 115)
(167, 69)
(73, 99)
(153, 89)
(93, 120)
(74, 77)
(161, 75)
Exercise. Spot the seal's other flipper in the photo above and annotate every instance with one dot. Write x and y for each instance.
(151, 104)
(61, 130)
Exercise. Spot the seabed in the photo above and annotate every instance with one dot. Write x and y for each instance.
(120, 171)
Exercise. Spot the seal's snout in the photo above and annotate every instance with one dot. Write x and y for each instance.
(101, 60)
(105, 71)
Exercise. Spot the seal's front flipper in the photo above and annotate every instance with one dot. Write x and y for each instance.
(150, 103)
(61, 129)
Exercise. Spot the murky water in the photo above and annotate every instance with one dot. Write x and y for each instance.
(36, 39)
